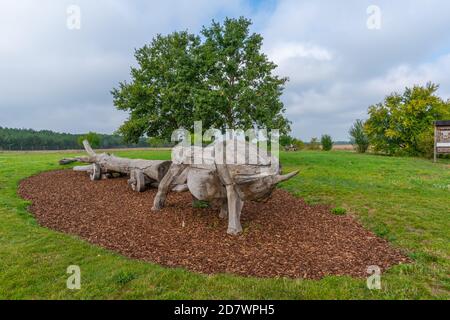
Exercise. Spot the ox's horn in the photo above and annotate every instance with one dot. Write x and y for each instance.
(281, 178)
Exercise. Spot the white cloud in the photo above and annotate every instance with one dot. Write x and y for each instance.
(56, 78)
(405, 75)
(361, 65)
(303, 63)
(289, 50)
(51, 77)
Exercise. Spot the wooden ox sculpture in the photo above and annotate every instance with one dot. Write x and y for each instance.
(225, 184)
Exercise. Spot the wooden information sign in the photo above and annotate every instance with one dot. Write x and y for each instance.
(441, 137)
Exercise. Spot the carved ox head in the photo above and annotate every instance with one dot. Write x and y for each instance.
(259, 186)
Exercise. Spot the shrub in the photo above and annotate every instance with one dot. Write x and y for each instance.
(285, 140)
(314, 144)
(338, 211)
(425, 143)
(289, 143)
(123, 277)
(299, 144)
(327, 142)
(200, 204)
(358, 137)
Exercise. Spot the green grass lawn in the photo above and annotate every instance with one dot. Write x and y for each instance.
(405, 200)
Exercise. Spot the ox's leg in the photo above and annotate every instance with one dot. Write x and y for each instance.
(164, 185)
(223, 209)
(234, 211)
(234, 202)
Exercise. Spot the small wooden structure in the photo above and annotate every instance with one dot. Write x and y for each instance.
(290, 147)
(441, 137)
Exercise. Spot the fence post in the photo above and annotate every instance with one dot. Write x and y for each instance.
(435, 141)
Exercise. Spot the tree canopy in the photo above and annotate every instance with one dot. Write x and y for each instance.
(93, 138)
(219, 77)
(327, 142)
(358, 137)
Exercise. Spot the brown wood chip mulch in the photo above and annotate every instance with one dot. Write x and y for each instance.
(282, 237)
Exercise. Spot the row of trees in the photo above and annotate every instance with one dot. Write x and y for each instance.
(28, 139)
(289, 143)
(403, 124)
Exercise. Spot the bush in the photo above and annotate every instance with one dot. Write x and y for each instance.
(402, 124)
(200, 204)
(327, 142)
(123, 277)
(299, 144)
(285, 140)
(93, 139)
(338, 211)
(291, 144)
(314, 144)
(425, 143)
(358, 137)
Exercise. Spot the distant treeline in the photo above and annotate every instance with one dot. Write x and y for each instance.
(29, 139)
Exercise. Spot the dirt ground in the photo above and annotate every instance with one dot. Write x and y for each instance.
(347, 147)
(283, 237)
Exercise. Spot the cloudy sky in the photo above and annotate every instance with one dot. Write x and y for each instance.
(53, 77)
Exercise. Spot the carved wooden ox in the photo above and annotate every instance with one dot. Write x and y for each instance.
(226, 184)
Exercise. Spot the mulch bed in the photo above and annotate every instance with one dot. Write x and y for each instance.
(283, 237)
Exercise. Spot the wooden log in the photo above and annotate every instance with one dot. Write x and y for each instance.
(142, 172)
(87, 168)
(71, 160)
(153, 169)
(137, 180)
(96, 172)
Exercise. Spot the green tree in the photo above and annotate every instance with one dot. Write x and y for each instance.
(358, 137)
(299, 144)
(220, 77)
(327, 142)
(93, 138)
(403, 123)
(285, 140)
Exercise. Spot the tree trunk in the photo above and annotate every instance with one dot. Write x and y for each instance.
(141, 172)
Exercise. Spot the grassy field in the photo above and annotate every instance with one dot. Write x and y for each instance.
(405, 200)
